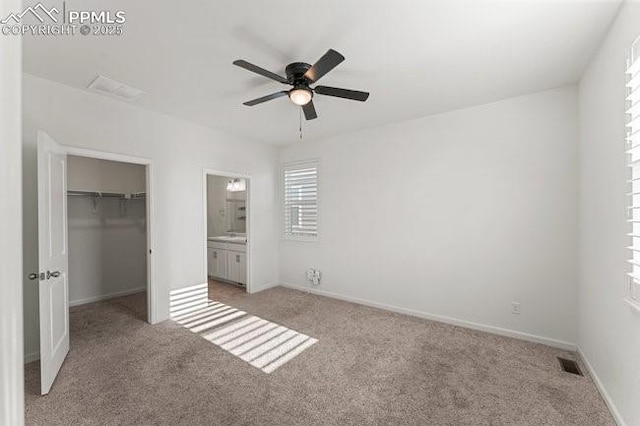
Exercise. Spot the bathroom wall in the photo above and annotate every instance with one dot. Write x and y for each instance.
(220, 212)
(107, 236)
(216, 206)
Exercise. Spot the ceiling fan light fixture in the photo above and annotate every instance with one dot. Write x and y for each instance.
(300, 96)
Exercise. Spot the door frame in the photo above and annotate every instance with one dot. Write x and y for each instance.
(226, 174)
(152, 293)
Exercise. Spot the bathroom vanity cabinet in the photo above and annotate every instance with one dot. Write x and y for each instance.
(227, 261)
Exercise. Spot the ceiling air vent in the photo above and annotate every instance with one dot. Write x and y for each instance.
(114, 88)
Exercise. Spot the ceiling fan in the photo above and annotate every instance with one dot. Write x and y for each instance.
(301, 75)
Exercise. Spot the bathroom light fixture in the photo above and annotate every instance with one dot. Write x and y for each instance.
(237, 185)
(300, 96)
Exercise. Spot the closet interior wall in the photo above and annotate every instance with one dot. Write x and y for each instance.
(107, 229)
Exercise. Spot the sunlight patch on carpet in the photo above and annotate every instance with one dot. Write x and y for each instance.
(261, 343)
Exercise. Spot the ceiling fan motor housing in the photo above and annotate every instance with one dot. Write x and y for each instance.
(295, 73)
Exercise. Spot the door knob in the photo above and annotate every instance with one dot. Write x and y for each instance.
(54, 274)
(35, 276)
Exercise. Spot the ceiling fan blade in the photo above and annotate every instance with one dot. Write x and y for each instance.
(309, 111)
(355, 95)
(326, 63)
(265, 98)
(254, 68)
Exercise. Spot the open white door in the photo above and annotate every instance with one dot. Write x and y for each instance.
(53, 259)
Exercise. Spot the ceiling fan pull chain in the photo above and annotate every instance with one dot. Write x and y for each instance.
(300, 117)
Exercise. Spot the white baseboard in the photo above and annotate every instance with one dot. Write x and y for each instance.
(441, 318)
(33, 356)
(603, 392)
(106, 296)
(262, 288)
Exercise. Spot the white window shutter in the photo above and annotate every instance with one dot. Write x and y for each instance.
(301, 200)
(633, 161)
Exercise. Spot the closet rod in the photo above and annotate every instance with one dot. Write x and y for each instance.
(104, 194)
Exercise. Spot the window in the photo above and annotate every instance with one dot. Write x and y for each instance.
(633, 161)
(301, 207)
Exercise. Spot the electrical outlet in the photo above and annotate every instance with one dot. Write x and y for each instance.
(314, 276)
(515, 308)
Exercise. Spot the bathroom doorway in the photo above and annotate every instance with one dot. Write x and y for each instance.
(227, 236)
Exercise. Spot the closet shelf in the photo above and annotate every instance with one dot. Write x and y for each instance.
(98, 194)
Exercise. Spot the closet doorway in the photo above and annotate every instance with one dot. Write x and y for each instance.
(226, 232)
(109, 233)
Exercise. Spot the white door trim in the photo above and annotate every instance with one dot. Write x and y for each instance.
(152, 293)
(222, 173)
(11, 228)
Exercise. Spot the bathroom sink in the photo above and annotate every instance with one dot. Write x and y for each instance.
(229, 239)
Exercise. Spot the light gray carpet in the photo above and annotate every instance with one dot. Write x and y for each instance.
(368, 367)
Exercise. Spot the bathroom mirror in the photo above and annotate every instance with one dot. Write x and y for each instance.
(236, 215)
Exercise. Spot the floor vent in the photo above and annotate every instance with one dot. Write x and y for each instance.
(569, 366)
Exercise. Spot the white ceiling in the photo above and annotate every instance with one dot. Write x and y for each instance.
(415, 57)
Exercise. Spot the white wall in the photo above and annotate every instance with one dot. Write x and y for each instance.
(124, 248)
(108, 239)
(11, 371)
(609, 329)
(91, 174)
(179, 152)
(455, 215)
